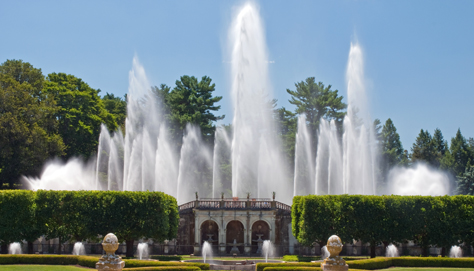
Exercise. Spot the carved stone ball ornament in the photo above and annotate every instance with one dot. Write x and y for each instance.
(110, 261)
(334, 261)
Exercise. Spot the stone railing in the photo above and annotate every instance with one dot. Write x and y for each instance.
(253, 204)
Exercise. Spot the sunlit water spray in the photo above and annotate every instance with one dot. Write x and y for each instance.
(206, 251)
(143, 251)
(267, 250)
(391, 251)
(15, 248)
(78, 249)
(455, 252)
(324, 253)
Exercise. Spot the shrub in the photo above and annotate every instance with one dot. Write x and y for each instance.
(382, 262)
(299, 268)
(39, 259)
(371, 264)
(139, 263)
(164, 258)
(261, 266)
(164, 268)
(87, 261)
(297, 258)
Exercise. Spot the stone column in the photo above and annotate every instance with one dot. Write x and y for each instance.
(197, 236)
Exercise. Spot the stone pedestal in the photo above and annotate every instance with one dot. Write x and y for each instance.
(247, 249)
(197, 250)
(110, 261)
(222, 248)
(334, 262)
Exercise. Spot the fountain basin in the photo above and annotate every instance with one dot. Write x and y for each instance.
(249, 265)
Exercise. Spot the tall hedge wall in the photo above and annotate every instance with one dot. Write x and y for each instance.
(441, 221)
(79, 215)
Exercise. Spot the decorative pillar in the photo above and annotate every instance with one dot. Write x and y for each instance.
(110, 261)
(247, 241)
(197, 236)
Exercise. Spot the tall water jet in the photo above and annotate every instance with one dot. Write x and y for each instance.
(195, 166)
(359, 137)
(328, 160)
(206, 251)
(455, 252)
(142, 250)
(15, 248)
(391, 251)
(78, 249)
(267, 250)
(304, 161)
(253, 125)
(222, 173)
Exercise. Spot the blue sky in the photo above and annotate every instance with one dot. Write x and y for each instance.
(419, 55)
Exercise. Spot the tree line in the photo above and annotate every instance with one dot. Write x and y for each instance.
(84, 215)
(59, 115)
(428, 221)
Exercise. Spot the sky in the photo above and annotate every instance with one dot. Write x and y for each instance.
(418, 55)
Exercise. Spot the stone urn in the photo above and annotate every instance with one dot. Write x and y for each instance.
(110, 261)
(334, 261)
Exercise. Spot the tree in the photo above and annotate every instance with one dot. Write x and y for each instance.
(440, 146)
(423, 149)
(27, 123)
(392, 149)
(80, 115)
(460, 154)
(117, 107)
(317, 101)
(466, 182)
(191, 101)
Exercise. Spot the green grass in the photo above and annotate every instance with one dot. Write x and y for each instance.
(40, 268)
(427, 268)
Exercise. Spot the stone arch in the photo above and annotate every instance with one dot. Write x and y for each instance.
(260, 231)
(210, 229)
(235, 231)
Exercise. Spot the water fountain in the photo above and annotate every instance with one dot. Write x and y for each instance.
(78, 249)
(391, 251)
(143, 251)
(206, 251)
(324, 253)
(15, 248)
(267, 249)
(145, 157)
(455, 252)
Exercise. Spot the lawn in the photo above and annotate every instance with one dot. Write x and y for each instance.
(40, 268)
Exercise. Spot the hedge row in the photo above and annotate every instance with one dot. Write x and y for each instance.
(80, 215)
(162, 268)
(298, 258)
(90, 261)
(166, 258)
(377, 263)
(439, 221)
(299, 268)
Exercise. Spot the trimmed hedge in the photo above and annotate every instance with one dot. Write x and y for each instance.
(162, 268)
(39, 259)
(299, 268)
(87, 261)
(440, 221)
(261, 266)
(165, 258)
(139, 263)
(297, 258)
(383, 262)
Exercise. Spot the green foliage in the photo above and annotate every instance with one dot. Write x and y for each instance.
(140, 263)
(117, 107)
(439, 221)
(392, 149)
(423, 149)
(165, 258)
(174, 268)
(460, 154)
(27, 124)
(317, 101)
(80, 115)
(17, 215)
(191, 101)
(298, 258)
(262, 266)
(41, 259)
(79, 215)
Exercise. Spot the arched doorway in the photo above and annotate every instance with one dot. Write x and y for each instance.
(260, 233)
(210, 232)
(235, 234)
